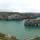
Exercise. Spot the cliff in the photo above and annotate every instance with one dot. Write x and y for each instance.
(30, 22)
(17, 15)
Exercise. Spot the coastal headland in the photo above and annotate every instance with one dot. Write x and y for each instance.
(17, 15)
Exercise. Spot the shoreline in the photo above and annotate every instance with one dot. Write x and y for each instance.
(8, 37)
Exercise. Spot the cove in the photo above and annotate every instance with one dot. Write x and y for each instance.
(16, 28)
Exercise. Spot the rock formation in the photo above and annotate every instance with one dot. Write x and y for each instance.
(7, 37)
(36, 38)
(30, 22)
(17, 16)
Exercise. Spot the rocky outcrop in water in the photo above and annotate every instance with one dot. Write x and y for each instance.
(17, 16)
(30, 22)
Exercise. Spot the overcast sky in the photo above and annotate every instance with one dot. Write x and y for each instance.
(20, 5)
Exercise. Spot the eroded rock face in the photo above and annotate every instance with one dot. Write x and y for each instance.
(17, 16)
(30, 22)
(10, 16)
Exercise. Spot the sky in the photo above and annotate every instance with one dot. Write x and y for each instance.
(20, 5)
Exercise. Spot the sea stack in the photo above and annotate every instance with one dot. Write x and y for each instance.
(30, 22)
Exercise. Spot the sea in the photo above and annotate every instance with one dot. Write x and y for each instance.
(16, 28)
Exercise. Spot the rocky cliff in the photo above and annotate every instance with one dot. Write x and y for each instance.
(17, 16)
(30, 22)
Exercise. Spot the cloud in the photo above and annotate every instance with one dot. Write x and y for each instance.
(20, 5)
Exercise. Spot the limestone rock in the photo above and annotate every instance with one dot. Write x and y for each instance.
(31, 22)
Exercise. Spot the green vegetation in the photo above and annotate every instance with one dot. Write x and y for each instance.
(6, 37)
(36, 38)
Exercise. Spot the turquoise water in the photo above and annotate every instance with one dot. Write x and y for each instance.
(17, 28)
